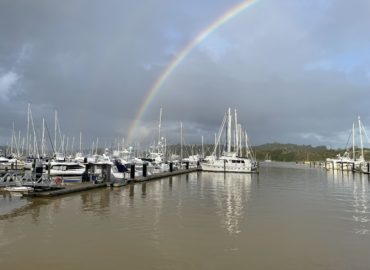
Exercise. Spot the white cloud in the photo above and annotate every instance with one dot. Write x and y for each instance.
(7, 83)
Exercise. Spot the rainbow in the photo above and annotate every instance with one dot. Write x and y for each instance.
(231, 13)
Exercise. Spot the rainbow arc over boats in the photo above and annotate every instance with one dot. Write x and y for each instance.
(181, 55)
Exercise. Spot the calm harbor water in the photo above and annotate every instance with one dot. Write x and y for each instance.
(287, 217)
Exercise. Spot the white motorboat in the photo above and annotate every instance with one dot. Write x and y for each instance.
(69, 171)
(117, 171)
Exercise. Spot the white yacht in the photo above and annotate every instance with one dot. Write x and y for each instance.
(228, 163)
(4, 161)
(231, 161)
(69, 171)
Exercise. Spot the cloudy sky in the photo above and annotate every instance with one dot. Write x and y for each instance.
(297, 71)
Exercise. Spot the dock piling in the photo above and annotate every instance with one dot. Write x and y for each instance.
(145, 165)
(132, 171)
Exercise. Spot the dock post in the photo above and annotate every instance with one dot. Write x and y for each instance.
(132, 171)
(342, 164)
(145, 169)
(49, 165)
(12, 166)
(187, 165)
(85, 176)
(368, 167)
(171, 166)
(353, 167)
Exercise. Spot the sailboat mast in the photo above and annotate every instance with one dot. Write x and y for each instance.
(159, 126)
(12, 143)
(35, 147)
(202, 147)
(181, 141)
(236, 134)
(361, 142)
(228, 146)
(215, 151)
(43, 138)
(246, 144)
(28, 131)
(19, 143)
(353, 142)
(80, 142)
(55, 129)
(97, 143)
(73, 145)
(240, 139)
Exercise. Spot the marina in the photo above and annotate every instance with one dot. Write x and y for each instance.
(285, 217)
(178, 135)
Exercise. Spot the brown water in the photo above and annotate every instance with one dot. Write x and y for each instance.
(287, 217)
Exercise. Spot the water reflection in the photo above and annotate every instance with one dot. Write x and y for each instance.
(352, 192)
(360, 202)
(231, 193)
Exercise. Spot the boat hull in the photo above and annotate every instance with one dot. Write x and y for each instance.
(222, 167)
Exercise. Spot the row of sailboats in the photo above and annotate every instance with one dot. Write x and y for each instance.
(60, 161)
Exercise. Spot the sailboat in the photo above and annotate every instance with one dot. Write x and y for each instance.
(268, 157)
(231, 161)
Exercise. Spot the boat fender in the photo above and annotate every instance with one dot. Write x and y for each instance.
(58, 180)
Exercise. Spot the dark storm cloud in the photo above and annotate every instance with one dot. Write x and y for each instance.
(297, 71)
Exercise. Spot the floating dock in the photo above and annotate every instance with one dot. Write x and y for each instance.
(66, 190)
(89, 186)
(163, 175)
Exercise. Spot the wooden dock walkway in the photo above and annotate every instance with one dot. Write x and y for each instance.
(163, 175)
(66, 190)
